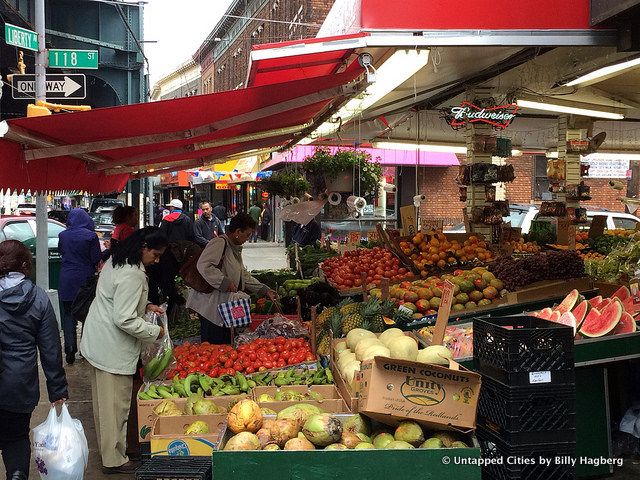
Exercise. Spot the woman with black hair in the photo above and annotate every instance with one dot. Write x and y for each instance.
(220, 264)
(112, 339)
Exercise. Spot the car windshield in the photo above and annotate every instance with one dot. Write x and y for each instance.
(103, 218)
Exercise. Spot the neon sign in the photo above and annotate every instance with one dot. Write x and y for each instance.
(498, 117)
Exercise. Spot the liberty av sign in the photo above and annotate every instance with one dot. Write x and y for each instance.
(498, 117)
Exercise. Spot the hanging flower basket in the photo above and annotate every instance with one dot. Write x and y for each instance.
(286, 184)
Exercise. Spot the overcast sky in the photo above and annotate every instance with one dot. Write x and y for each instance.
(180, 27)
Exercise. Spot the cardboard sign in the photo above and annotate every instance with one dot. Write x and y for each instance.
(354, 238)
(443, 313)
(373, 236)
(409, 222)
(168, 437)
(438, 397)
(598, 224)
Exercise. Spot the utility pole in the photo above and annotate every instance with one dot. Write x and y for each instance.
(42, 237)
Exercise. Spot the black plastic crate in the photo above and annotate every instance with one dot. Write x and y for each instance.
(524, 462)
(522, 350)
(175, 468)
(532, 414)
(145, 451)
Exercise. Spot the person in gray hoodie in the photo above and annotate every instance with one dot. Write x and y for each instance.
(28, 327)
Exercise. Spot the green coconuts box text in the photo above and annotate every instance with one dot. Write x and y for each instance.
(392, 390)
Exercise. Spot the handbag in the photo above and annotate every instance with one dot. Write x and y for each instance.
(236, 313)
(192, 277)
(84, 298)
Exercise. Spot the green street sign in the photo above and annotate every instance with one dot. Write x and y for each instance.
(20, 37)
(61, 58)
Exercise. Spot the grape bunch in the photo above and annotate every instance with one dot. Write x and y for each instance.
(516, 274)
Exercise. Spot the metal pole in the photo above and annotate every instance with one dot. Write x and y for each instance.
(42, 244)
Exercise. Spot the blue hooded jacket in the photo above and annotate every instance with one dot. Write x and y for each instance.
(80, 250)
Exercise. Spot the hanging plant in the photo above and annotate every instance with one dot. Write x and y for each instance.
(286, 183)
(323, 167)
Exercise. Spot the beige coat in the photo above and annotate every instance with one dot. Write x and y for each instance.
(115, 328)
(232, 271)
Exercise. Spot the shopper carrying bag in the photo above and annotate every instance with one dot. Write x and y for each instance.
(220, 264)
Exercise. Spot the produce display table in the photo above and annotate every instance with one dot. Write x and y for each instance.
(594, 358)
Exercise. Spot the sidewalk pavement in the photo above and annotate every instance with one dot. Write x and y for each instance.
(264, 256)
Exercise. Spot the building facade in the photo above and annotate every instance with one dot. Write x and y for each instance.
(184, 81)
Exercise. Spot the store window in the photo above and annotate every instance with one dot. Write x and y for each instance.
(540, 181)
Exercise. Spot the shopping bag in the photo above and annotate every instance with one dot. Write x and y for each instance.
(235, 313)
(60, 447)
(158, 356)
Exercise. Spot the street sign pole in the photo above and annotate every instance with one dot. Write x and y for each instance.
(42, 243)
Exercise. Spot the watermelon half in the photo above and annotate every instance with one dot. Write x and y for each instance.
(598, 324)
(622, 293)
(595, 301)
(580, 312)
(603, 304)
(545, 313)
(626, 325)
(555, 316)
(569, 302)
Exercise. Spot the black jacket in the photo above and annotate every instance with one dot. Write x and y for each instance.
(28, 325)
(220, 211)
(178, 227)
(205, 229)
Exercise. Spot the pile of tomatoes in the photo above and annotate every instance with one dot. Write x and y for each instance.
(345, 271)
(257, 356)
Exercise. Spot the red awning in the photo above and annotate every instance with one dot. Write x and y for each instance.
(310, 58)
(100, 149)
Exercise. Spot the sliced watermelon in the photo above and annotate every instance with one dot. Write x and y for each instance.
(545, 313)
(578, 337)
(555, 316)
(622, 293)
(569, 302)
(569, 320)
(580, 312)
(626, 325)
(534, 314)
(595, 301)
(631, 307)
(598, 324)
(604, 303)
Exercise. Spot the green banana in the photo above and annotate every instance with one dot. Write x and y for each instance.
(242, 382)
(187, 383)
(230, 390)
(178, 387)
(164, 392)
(151, 368)
(205, 382)
(153, 393)
(144, 396)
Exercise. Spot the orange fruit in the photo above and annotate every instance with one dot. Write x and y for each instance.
(442, 264)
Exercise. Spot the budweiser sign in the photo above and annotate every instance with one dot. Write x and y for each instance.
(498, 116)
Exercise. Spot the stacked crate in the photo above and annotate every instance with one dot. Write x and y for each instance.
(526, 411)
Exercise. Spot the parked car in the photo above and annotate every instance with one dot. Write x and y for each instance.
(98, 203)
(25, 209)
(103, 220)
(521, 215)
(24, 229)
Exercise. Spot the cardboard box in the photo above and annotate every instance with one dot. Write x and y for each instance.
(442, 398)
(548, 289)
(332, 402)
(168, 438)
(146, 417)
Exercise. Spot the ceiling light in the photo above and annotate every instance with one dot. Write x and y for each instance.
(561, 106)
(423, 147)
(400, 66)
(603, 73)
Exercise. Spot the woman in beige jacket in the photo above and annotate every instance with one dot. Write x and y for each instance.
(221, 266)
(112, 340)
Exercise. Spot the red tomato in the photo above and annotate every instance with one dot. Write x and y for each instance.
(281, 363)
(249, 370)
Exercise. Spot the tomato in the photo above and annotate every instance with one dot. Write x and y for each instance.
(223, 358)
(228, 363)
(280, 340)
(272, 349)
(281, 363)
(310, 358)
(285, 354)
(233, 355)
(249, 370)
(252, 357)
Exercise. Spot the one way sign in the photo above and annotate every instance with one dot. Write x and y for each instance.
(58, 86)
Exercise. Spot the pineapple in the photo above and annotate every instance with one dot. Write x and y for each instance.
(349, 308)
(324, 343)
(402, 318)
(351, 320)
(335, 324)
(372, 313)
(323, 318)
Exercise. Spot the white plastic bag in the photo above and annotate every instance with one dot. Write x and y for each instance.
(157, 357)
(60, 447)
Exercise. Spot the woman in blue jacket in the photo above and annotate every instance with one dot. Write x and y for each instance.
(28, 326)
(80, 250)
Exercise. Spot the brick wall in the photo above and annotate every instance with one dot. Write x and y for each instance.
(229, 70)
(521, 189)
(604, 196)
(438, 184)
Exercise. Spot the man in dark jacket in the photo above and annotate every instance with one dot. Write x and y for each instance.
(220, 211)
(28, 326)
(207, 226)
(177, 226)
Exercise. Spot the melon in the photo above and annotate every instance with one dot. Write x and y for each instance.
(595, 301)
(631, 307)
(603, 304)
(569, 320)
(626, 325)
(622, 293)
(534, 314)
(555, 316)
(569, 302)
(598, 324)
(545, 313)
(580, 312)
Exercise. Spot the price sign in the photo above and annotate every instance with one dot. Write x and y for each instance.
(409, 223)
(443, 313)
(354, 238)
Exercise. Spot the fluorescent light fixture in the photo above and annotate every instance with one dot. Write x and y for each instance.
(603, 73)
(398, 68)
(423, 147)
(561, 106)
